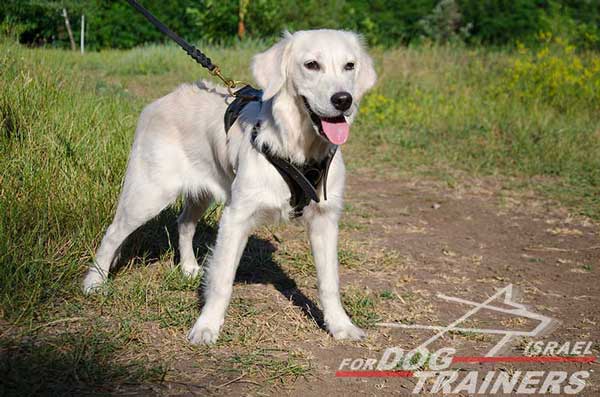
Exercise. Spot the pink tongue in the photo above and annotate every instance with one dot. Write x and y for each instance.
(337, 132)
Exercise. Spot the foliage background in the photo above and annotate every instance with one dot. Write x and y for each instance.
(114, 24)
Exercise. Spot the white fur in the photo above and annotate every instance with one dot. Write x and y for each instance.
(180, 148)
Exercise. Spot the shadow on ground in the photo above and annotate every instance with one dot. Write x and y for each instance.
(71, 363)
(159, 237)
(86, 361)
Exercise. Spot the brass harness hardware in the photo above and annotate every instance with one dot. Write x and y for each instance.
(229, 83)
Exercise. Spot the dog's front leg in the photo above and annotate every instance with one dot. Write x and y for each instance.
(323, 235)
(234, 228)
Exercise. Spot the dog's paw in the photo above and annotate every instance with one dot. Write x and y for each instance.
(92, 281)
(347, 331)
(190, 270)
(203, 333)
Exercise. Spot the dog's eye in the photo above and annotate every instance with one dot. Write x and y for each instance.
(349, 66)
(312, 65)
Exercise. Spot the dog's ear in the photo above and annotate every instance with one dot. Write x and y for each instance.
(367, 77)
(270, 67)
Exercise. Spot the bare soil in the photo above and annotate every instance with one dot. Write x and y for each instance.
(403, 241)
(466, 241)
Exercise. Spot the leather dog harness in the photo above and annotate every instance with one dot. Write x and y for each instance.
(304, 180)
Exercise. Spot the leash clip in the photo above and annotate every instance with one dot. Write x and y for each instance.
(229, 83)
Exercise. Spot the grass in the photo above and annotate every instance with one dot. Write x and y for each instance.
(361, 307)
(275, 364)
(72, 362)
(66, 125)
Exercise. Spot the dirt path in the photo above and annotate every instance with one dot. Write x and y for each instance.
(403, 241)
(465, 242)
(420, 238)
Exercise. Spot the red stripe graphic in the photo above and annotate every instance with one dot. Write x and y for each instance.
(373, 374)
(468, 359)
(522, 359)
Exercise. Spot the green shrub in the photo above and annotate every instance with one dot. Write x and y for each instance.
(555, 74)
(502, 21)
(445, 23)
(383, 22)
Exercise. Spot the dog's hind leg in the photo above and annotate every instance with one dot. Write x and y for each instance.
(140, 201)
(192, 211)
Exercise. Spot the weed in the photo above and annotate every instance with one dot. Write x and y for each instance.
(361, 307)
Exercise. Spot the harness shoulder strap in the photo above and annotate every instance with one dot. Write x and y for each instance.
(327, 161)
(287, 168)
(243, 97)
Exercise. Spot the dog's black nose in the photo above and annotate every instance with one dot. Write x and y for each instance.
(341, 100)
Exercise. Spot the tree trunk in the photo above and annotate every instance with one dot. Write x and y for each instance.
(242, 15)
(68, 25)
(241, 29)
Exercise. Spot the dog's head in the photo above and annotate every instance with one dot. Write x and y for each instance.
(328, 71)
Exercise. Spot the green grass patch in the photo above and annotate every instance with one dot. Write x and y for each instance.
(79, 362)
(280, 366)
(361, 307)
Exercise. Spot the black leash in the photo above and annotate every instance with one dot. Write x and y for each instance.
(192, 51)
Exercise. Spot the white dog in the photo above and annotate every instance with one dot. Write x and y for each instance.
(312, 82)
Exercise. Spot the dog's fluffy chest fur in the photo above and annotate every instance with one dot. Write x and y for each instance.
(259, 126)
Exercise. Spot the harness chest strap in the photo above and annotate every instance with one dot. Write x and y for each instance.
(302, 181)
